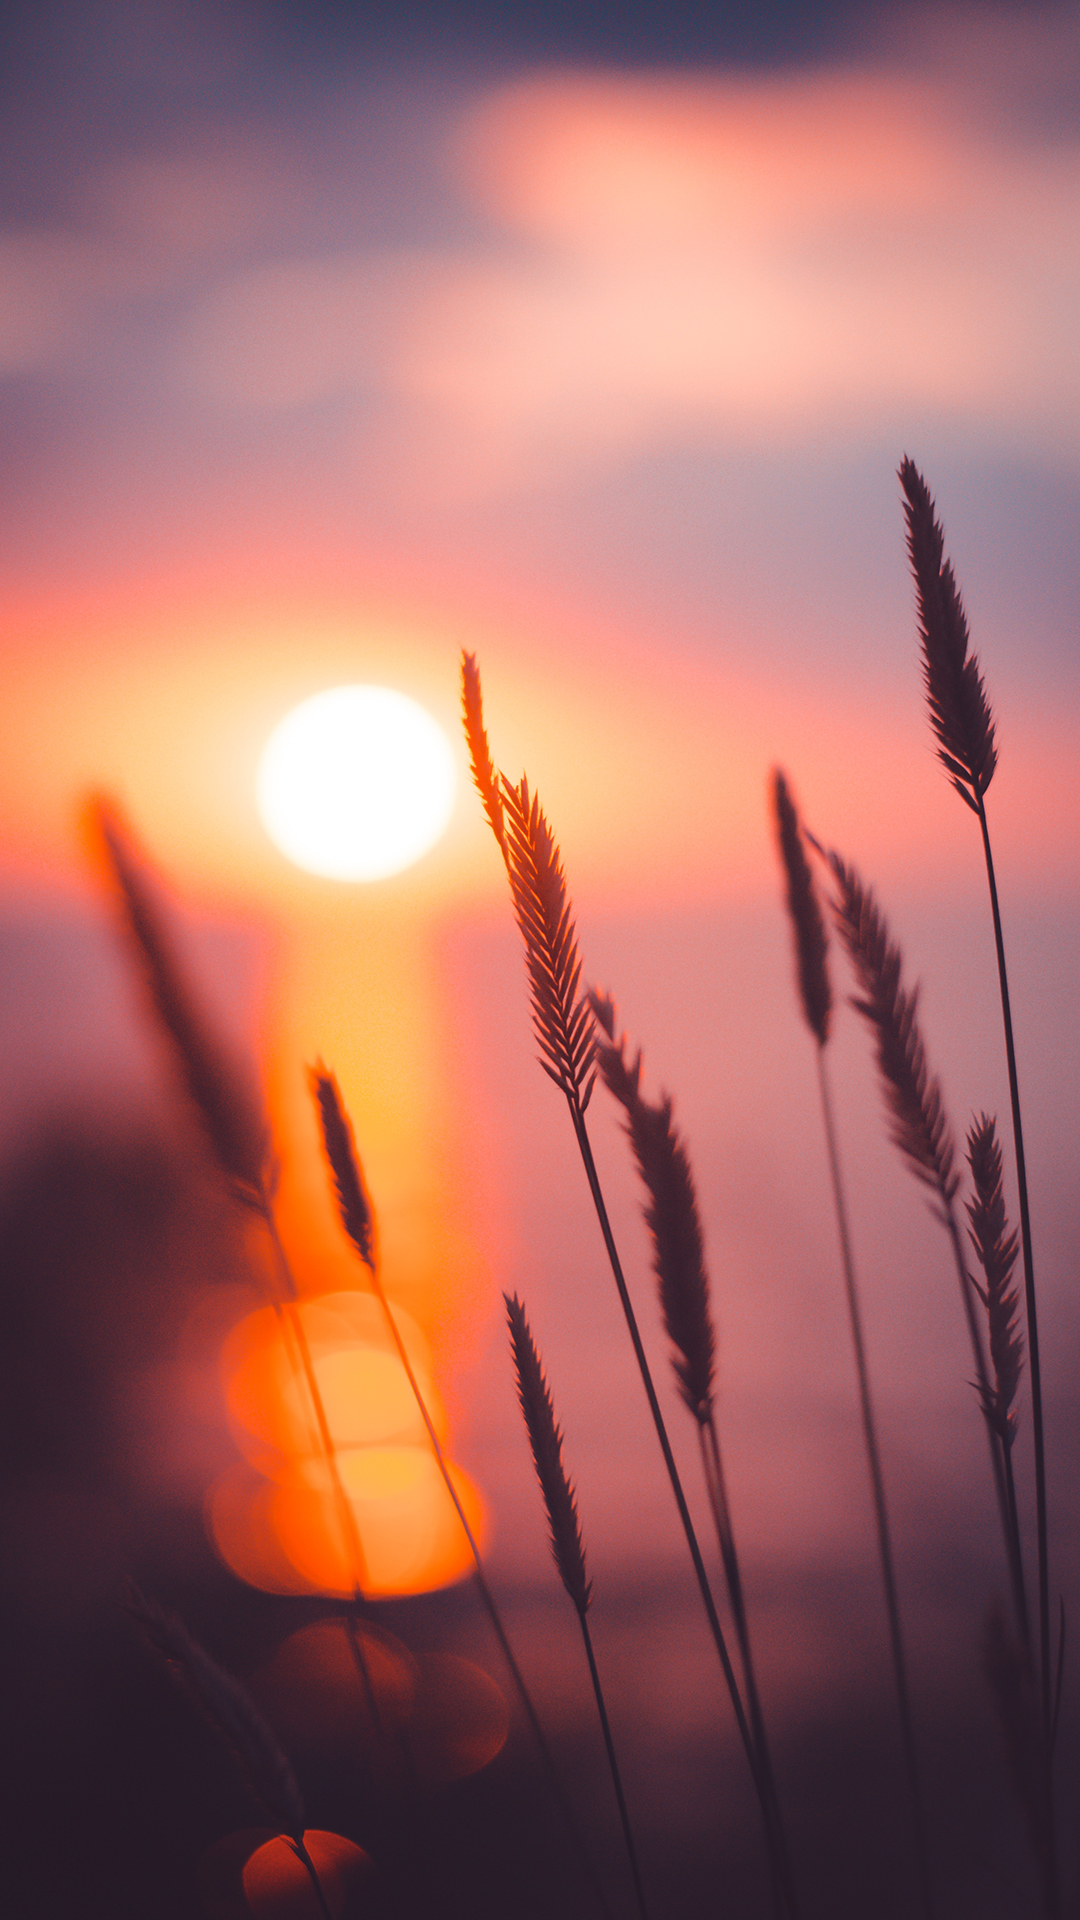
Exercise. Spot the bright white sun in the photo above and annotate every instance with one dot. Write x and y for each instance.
(356, 783)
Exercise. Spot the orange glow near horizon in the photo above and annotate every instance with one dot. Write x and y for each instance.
(585, 717)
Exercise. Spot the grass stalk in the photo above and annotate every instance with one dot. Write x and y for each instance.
(560, 1503)
(963, 723)
(563, 1025)
(918, 1124)
(357, 1218)
(1030, 1306)
(877, 1490)
(311, 1870)
(920, 1129)
(237, 1133)
(996, 1247)
(674, 1223)
(815, 994)
(230, 1709)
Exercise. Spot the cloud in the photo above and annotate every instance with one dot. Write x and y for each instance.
(673, 259)
(833, 257)
(763, 257)
(52, 285)
(295, 331)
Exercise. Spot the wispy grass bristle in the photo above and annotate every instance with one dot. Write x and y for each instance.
(959, 710)
(227, 1106)
(671, 1214)
(997, 1248)
(231, 1709)
(804, 908)
(562, 1017)
(354, 1203)
(917, 1120)
(545, 1440)
(483, 771)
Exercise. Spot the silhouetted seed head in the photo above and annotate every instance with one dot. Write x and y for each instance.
(808, 925)
(483, 772)
(562, 1017)
(230, 1708)
(224, 1099)
(354, 1204)
(545, 1439)
(917, 1120)
(996, 1248)
(959, 710)
(671, 1214)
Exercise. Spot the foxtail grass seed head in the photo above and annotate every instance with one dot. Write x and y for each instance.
(671, 1214)
(225, 1101)
(354, 1203)
(917, 1120)
(997, 1249)
(562, 1016)
(807, 921)
(230, 1708)
(959, 710)
(545, 1439)
(483, 771)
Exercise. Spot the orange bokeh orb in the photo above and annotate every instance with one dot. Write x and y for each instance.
(278, 1522)
(411, 1535)
(365, 1394)
(277, 1885)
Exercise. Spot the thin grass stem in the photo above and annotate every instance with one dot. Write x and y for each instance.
(616, 1778)
(877, 1489)
(962, 720)
(564, 1530)
(918, 1123)
(780, 1866)
(356, 1216)
(563, 1026)
(815, 993)
(312, 1871)
(1031, 1312)
(716, 1488)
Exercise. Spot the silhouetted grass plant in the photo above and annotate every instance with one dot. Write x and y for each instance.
(576, 1035)
(571, 1051)
(815, 994)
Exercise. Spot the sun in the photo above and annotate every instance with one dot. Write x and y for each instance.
(356, 783)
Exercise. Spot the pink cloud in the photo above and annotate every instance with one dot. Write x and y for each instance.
(678, 259)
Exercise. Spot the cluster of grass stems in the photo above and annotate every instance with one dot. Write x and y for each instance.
(579, 1044)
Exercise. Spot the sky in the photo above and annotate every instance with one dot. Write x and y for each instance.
(329, 347)
(599, 357)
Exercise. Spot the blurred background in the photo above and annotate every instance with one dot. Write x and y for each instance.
(334, 339)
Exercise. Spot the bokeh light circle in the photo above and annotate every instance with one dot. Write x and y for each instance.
(356, 783)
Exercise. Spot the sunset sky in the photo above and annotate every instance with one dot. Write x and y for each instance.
(328, 349)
